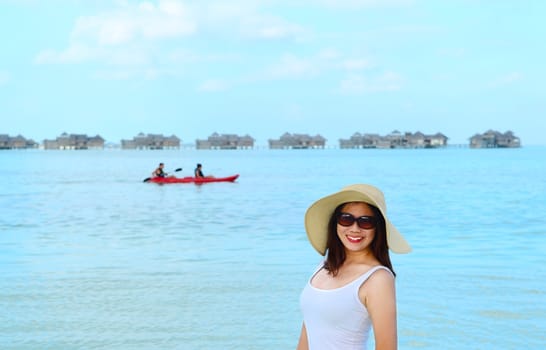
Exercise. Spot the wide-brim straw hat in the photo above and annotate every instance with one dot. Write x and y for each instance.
(319, 213)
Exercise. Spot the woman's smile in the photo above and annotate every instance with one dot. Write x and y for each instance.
(354, 239)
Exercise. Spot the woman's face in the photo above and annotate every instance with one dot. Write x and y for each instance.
(353, 237)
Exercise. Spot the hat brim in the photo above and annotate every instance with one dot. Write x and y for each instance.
(319, 213)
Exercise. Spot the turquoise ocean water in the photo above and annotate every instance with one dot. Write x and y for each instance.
(92, 258)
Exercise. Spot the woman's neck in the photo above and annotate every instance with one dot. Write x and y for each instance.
(360, 257)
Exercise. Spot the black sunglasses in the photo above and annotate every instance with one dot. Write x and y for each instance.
(364, 222)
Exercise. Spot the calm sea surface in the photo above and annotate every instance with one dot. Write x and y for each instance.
(93, 258)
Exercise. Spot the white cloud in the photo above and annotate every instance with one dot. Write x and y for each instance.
(78, 53)
(452, 52)
(290, 66)
(293, 67)
(115, 74)
(356, 64)
(357, 83)
(186, 56)
(247, 20)
(73, 54)
(145, 21)
(270, 27)
(4, 78)
(127, 73)
(353, 84)
(129, 28)
(213, 85)
(507, 79)
(137, 34)
(172, 8)
(390, 81)
(128, 56)
(329, 54)
(343, 4)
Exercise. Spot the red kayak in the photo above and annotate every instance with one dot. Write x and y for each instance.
(190, 179)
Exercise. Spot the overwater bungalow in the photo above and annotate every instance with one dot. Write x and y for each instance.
(394, 140)
(225, 141)
(359, 140)
(297, 141)
(151, 141)
(495, 139)
(74, 142)
(16, 142)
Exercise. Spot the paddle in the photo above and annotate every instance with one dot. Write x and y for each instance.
(149, 178)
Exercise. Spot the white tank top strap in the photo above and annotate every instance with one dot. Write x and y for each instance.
(317, 269)
(368, 273)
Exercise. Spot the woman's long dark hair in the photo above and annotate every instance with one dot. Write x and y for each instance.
(336, 251)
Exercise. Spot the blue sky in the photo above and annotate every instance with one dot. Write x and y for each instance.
(265, 67)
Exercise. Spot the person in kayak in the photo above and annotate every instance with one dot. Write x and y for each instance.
(159, 171)
(198, 173)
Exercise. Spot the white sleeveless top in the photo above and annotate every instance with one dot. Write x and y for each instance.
(336, 318)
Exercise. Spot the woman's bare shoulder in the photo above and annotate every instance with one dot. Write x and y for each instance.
(381, 279)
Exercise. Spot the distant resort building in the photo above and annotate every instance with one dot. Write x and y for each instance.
(75, 142)
(297, 141)
(495, 139)
(16, 142)
(151, 141)
(395, 140)
(225, 141)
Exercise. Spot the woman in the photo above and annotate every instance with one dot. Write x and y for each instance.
(353, 289)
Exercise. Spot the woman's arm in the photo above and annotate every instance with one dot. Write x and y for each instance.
(379, 296)
(302, 344)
